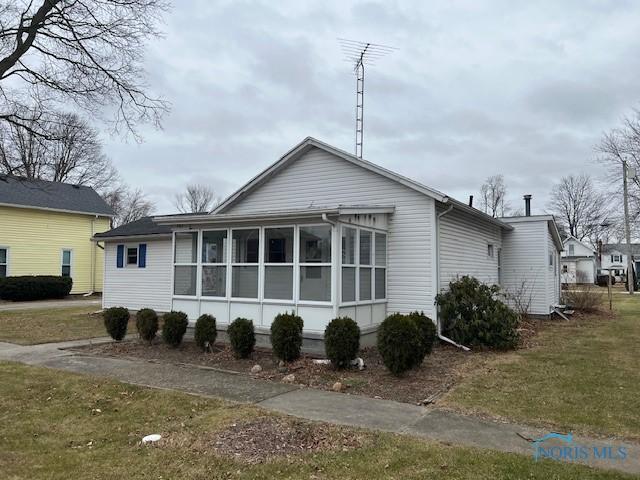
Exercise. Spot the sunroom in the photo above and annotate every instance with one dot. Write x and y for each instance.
(320, 262)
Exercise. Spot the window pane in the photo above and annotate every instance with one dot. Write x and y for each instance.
(66, 271)
(278, 283)
(3, 255)
(365, 247)
(244, 282)
(186, 247)
(132, 256)
(214, 247)
(315, 283)
(214, 281)
(348, 284)
(315, 244)
(3, 271)
(365, 284)
(381, 292)
(381, 249)
(66, 257)
(348, 246)
(245, 246)
(184, 281)
(278, 245)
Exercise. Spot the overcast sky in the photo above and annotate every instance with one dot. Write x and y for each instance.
(524, 89)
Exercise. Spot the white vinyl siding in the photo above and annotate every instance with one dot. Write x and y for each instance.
(137, 288)
(319, 178)
(464, 248)
(553, 271)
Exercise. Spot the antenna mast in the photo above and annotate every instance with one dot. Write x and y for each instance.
(360, 54)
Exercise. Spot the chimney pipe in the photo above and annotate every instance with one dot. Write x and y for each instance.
(527, 205)
(471, 200)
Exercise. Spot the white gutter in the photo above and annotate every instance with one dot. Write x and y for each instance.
(438, 324)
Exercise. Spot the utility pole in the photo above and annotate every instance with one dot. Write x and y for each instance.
(627, 228)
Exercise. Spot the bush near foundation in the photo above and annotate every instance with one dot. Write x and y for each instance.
(174, 326)
(342, 341)
(426, 332)
(147, 324)
(399, 343)
(34, 287)
(242, 337)
(116, 320)
(205, 332)
(286, 336)
(473, 316)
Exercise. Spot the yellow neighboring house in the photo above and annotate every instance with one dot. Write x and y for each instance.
(46, 229)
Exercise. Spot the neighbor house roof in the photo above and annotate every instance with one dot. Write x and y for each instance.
(41, 194)
(139, 228)
(571, 237)
(310, 143)
(621, 247)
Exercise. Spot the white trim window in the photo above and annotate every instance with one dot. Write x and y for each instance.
(616, 258)
(278, 263)
(185, 263)
(65, 262)
(349, 265)
(363, 265)
(4, 262)
(214, 263)
(315, 263)
(245, 258)
(364, 274)
(380, 280)
(572, 249)
(131, 256)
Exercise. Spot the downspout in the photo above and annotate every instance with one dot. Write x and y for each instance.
(438, 324)
(334, 265)
(93, 259)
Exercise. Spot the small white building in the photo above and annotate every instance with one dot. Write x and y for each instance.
(325, 234)
(578, 262)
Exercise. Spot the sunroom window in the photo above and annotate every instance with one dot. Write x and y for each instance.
(245, 256)
(278, 259)
(365, 265)
(381, 267)
(349, 242)
(185, 258)
(214, 263)
(364, 258)
(315, 263)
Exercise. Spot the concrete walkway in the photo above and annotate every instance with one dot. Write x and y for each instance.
(39, 304)
(337, 408)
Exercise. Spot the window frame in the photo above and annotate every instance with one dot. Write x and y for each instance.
(201, 264)
(62, 264)
(262, 273)
(175, 264)
(354, 265)
(233, 263)
(330, 263)
(7, 259)
(136, 247)
(491, 249)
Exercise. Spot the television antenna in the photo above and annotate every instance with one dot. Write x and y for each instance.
(360, 54)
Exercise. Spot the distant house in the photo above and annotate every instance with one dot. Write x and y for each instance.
(614, 257)
(326, 234)
(46, 229)
(578, 262)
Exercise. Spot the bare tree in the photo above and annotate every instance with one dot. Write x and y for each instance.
(86, 53)
(128, 205)
(72, 153)
(581, 209)
(492, 196)
(197, 198)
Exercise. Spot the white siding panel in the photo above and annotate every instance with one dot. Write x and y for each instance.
(136, 288)
(553, 278)
(321, 179)
(463, 248)
(524, 262)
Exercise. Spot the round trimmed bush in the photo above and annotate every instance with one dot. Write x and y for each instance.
(286, 336)
(174, 326)
(342, 341)
(426, 333)
(472, 315)
(115, 321)
(242, 337)
(399, 343)
(147, 324)
(205, 333)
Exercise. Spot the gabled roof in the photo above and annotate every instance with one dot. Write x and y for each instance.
(621, 248)
(310, 143)
(56, 196)
(549, 219)
(571, 237)
(138, 228)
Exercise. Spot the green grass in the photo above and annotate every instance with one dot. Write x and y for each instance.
(51, 430)
(583, 376)
(28, 327)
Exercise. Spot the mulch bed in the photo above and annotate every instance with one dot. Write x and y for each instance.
(438, 373)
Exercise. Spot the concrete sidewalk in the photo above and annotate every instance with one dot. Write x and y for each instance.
(39, 304)
(337, 408)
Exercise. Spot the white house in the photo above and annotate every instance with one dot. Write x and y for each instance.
(614, 257)
(578, 262)
(326, 234)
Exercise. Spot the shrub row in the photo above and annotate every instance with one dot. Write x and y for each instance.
(34, 287)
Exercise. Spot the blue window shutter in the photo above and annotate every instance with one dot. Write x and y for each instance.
(142, 255)
(120, 256)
